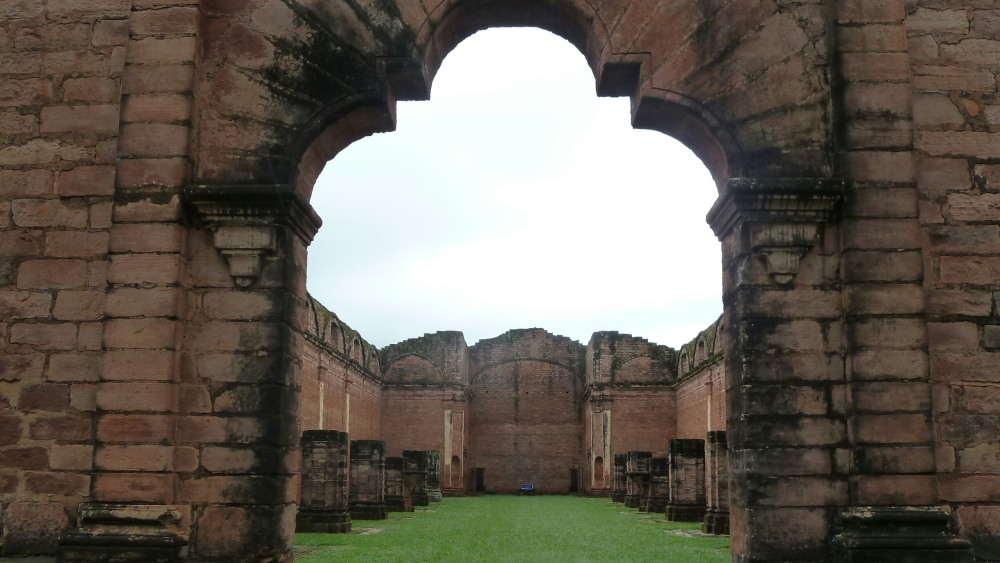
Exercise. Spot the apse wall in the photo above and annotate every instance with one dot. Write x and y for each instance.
(526, 423)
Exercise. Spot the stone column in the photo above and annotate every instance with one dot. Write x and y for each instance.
(637, 474)
(397, 498)
(368, 480)
(323, 507)
(433, 479)
(620, 480)
(415, 476)
(716, 484)
(659, 485)
(903, 270)
(197, 452)
(687, 481)
(785, 384)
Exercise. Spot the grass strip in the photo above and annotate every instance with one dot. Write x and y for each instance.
(517, 528)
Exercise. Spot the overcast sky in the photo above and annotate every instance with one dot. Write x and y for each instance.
(516, 198)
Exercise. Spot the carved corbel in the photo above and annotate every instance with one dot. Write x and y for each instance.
(780, 218)
(245, 222)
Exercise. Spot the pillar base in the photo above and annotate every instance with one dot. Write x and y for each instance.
(898, 535)
(434, 495)
(617, 497)
(633, 501)
(685, 512)
(369, 512)
(399, 504)
(716, 522)
(126, 533)
(322, 521)
(656, 504)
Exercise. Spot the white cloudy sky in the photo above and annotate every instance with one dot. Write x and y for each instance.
(516, 198)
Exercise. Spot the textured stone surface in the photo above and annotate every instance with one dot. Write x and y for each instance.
(33, 527)
(860, 340)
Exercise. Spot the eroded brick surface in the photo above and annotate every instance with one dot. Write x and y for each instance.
(860, 331)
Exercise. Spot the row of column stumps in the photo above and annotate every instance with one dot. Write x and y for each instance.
(690, 485)
(345, 479)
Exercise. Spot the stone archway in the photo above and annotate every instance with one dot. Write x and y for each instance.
(183, 141)
(781, 203)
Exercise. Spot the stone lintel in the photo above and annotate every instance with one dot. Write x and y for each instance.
(244, 222)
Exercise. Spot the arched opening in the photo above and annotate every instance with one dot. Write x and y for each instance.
(659, 115)
(624, 191)
(580, 197)
(336, 336)
(807, 339)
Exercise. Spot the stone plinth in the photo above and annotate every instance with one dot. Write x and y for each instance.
(132, 533)
(415, 476)
(687, 481)
(368, 480)
(637, 474)
(658, 494)
(898, 534)
(620, 484)
(433, 476)
(396, 497)
(323, 507)
(716, 484)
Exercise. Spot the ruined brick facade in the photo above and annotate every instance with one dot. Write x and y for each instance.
(156, 162)
(524, 407)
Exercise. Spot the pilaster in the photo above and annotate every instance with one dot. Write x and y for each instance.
(785, 386)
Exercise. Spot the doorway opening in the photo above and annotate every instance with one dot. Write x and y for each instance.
(479, 474)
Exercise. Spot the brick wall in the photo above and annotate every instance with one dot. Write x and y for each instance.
(61, 67)
(956, 116)
(331, 374)
(426, 401)
(701, 391)
(526, 423)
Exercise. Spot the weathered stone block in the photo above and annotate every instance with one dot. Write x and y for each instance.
(323, 507)
(367, 480)
(33, 528)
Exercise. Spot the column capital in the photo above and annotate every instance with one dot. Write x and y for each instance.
(775, 200)
(779, 218)
(244, 222)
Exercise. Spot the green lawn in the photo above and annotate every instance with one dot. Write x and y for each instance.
(512, 528)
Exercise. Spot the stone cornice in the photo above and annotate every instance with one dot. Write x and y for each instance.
(775, 200)
(778, 219)
(244, 222)
(254, 204)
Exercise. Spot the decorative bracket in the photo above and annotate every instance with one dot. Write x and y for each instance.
(245, 222)
(781, 217)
